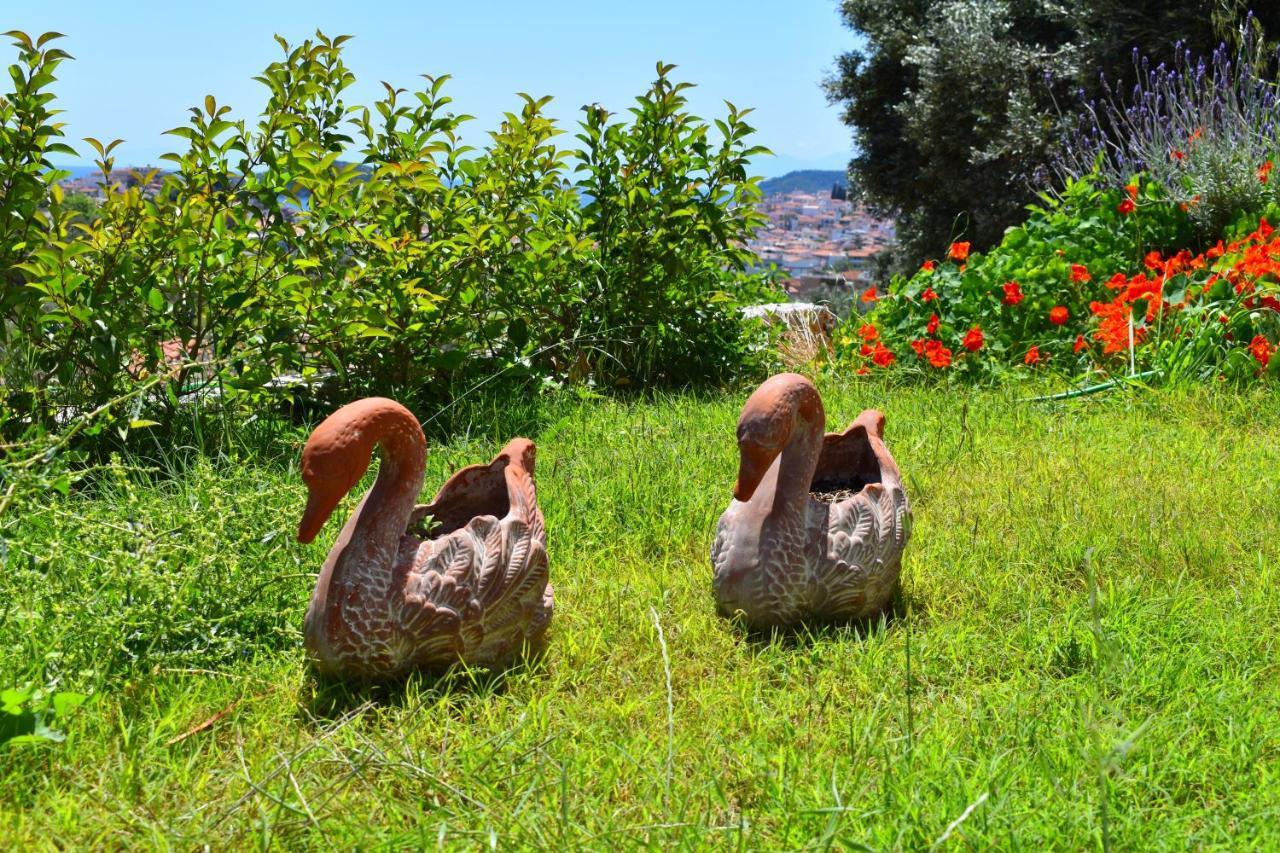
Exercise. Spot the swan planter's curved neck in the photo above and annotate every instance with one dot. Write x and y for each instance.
(350, 614)
(779, 440)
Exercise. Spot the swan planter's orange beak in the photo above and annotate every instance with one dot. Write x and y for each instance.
(752, 467)
(321, 502)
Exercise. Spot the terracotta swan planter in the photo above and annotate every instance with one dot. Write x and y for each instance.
(387, 602)
(818, 524)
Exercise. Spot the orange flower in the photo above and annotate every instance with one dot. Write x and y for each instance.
(1080, 273)
(1177, 155)
(1261, 349)
(1113, 325)
(958, 252)
(928, 295)
(973, 339)
(868, 332)
(928, 266)
(862, 371)
(1132, 190)
(882, 356)
(1012, 293)
(1079, 344)
(1264, 171)
(870, 295)
(1125, 207)
(1058, 315)
(1032, 356)
(939, 356)
(932, 327)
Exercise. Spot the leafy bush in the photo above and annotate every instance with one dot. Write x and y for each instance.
(371, 244)
(667, 214)
(1089, 282)
(1204, 129)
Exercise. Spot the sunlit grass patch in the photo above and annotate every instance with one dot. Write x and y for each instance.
(1084, 652)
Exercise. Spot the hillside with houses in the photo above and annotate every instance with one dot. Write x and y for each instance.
(821, 241)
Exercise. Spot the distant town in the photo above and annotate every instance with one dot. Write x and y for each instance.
(821, 242)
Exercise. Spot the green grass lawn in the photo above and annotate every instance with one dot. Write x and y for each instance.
(1086, 652)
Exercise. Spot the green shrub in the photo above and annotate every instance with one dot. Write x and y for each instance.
(370, 243)
(1203, 128)
(667, 213)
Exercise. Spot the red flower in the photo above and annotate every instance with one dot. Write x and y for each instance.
(1080, 273)
(868, 332)
(918, 346)
(1032, 356)
(973, 339)
(939, 356)
(1058, 315)
(862, 371)
(928, 266)
(928, 295)
(1264, 171)
(1079, 344)
(1113, 325)
(1125, 207)
(932, 328)
(882, 356)
(864, 350)
(1175, 154)
(1012, 293)
(870, 295)
(958, 252)
(1261, 349)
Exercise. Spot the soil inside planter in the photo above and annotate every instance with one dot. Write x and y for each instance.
(829, 492)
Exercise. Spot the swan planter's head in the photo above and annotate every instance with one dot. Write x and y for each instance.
(818, 523)
(388, 601)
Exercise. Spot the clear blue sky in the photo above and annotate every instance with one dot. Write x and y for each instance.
(140, 64)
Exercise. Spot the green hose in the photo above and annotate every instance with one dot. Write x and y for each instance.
(1091, 389)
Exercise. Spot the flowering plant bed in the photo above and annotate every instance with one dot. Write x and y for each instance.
(1084, 286)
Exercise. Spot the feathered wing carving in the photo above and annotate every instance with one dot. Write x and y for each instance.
(480, 593)
(866, 536)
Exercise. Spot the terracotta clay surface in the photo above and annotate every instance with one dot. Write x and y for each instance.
(818, 524)
(388, 601)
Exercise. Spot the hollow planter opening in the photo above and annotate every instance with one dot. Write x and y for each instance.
(846, 466)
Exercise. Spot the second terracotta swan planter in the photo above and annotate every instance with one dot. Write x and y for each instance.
(818, 523)
(387, 601)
